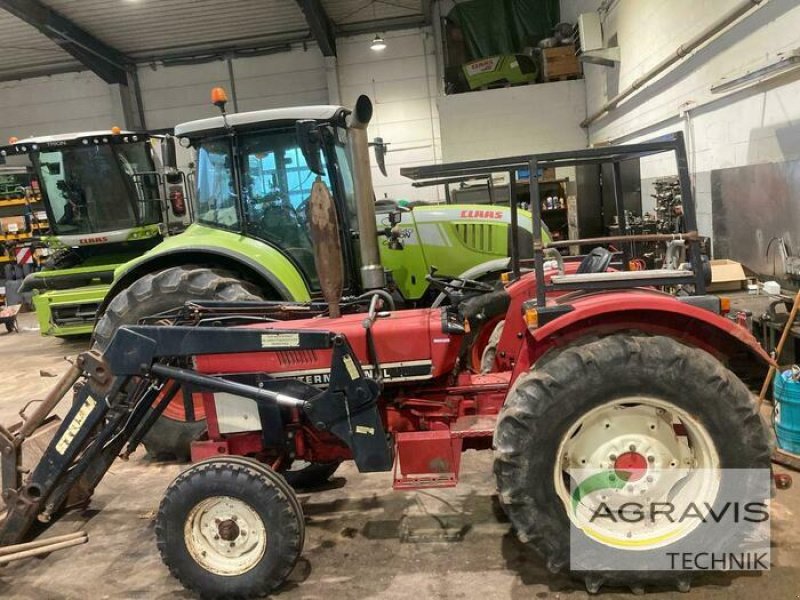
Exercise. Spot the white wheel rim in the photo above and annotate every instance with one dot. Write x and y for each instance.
(663, 453)
(225, 536)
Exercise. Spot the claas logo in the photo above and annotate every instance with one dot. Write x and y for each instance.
(481, 214)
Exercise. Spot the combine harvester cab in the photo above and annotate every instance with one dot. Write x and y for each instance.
(600, 375)
(107, 200)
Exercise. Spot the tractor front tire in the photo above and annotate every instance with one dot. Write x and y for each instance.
(156, 293)
(230, 528)
(567, 415)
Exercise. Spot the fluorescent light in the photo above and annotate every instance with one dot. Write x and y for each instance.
(378, 43)
(789, 62)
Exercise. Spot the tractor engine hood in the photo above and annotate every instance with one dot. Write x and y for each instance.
(433, 354)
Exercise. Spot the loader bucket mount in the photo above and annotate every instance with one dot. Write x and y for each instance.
(114, 392)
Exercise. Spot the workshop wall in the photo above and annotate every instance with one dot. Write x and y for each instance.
(402, 83)
(172, 94)
(753, 125)
(54, 104)
(513, 120)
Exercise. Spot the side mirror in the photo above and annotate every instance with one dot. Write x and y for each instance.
(380, 154)
(310, 142)
(168, 154)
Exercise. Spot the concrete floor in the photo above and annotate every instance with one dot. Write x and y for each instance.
(362, 540)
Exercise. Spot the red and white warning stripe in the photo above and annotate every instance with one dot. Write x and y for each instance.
(24, 255)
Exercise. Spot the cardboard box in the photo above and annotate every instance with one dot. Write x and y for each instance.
(12, 224)
(561, 62)
(726, 276)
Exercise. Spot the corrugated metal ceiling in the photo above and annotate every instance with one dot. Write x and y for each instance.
(23, 49)
(151, 27)
(146, 29)
(344, 12)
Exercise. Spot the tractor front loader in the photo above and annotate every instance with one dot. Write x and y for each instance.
(595, 371)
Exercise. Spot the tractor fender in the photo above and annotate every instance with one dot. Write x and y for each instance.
(277, 272)
(649, 313)
(497, 265)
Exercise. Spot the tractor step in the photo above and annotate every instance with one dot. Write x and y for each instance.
(431, 459)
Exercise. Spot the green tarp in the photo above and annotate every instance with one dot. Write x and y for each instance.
(494, 27)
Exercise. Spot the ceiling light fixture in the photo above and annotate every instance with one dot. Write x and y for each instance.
(378, 43)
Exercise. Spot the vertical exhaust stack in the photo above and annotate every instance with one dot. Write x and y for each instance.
(372, 275)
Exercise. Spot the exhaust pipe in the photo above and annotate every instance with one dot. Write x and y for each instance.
(372, 274)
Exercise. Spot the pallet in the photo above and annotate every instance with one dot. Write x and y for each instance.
(560, 63)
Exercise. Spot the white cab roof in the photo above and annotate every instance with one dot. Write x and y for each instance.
(319, 112)
(68, 137)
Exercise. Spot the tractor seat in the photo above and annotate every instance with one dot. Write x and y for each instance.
(596, 261)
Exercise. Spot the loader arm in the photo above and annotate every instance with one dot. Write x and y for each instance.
(115, 390)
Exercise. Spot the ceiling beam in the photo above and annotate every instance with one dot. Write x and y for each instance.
(320, 24)
(108, 63)
(427, 11)
(382, 25)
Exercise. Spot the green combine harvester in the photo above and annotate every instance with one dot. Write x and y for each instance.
(108, 200)
(251, 241)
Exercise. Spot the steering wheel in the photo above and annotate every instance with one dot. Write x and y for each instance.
(596, 261)
(456, 288)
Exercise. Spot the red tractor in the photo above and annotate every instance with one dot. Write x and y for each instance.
(592, 369)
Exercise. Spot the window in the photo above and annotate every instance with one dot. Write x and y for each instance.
(276, 185)
(216, 192)
(137, 164)
(86, 190)
(343, 160)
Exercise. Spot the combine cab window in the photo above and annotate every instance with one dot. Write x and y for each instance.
(90, 189)
(137, 165)
(276, 184)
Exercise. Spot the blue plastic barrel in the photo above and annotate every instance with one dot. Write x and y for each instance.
(786, 392)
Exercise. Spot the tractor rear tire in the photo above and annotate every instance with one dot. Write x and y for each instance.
(155, 293)
(230, 528)
(553, 404)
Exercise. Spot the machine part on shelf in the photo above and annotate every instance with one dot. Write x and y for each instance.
(773, 367)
